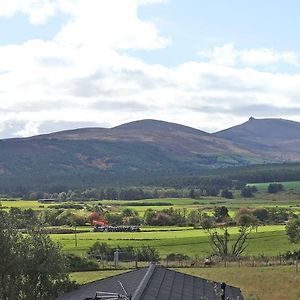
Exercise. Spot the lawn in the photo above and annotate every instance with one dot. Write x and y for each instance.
(263, 283)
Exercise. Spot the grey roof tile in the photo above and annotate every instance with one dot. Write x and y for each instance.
(155, 283)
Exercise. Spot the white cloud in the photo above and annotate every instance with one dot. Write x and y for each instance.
(30, 129)
(228, 55)
(38, 11)
(84, 76)
(225, 55)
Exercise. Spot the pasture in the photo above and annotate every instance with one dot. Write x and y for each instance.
(288, 185)
(269, 240)
(206, 204)
(23, 204)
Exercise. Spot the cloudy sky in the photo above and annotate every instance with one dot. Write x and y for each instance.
(209, 64)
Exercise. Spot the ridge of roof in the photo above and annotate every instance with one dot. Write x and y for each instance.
(144, 282)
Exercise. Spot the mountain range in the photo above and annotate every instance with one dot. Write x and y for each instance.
(145, 147)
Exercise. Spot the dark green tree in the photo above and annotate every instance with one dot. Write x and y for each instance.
(247, 192)
(293, 231)
(32, 267)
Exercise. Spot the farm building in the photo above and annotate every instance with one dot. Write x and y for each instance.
(154, 282)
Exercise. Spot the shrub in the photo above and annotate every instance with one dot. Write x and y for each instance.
(247, 192)
(78, 263)
(135, 221)
(226, 194)
(275, 187)
(177, 256)
(104, 251)
(147, 253)
(292, 255)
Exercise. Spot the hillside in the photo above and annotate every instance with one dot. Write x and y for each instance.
(121, 154)
(143, 151)
(277, 139)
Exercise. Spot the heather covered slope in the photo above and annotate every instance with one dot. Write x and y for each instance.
(277, 139)
(142, 147)
(177, 141)
(143, 151)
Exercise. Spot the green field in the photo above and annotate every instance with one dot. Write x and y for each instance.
(269, 240)
(288, 185)
(24, 204)
(263, 283)
(261, 199)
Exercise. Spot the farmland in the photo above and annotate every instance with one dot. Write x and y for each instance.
(289, 185)
(269, 241)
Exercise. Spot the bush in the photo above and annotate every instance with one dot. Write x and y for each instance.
(292, 255)
(79, 264)
(106, 252)
(262, 214)
(101, 251)
(135, 221)
(147, 253)
(293, 231)
(177, 256)
(275, 187)
(247, 192)
(226, 194)
(114, 219)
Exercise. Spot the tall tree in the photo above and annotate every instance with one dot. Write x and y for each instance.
(32, 267)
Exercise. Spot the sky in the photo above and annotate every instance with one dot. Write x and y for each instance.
(209, 64)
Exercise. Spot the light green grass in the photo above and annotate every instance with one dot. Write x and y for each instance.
(85, 277)
(269, 240)
(24, 204)
(288, 185)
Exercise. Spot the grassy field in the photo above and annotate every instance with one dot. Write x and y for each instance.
(288, 185)
(24, 204)
(269, 240)
(261, 199)
(263, 283)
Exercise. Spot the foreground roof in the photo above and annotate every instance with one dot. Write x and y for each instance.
(156, 283)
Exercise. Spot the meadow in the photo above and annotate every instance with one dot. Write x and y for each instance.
(287, 199)
(288, 185)
(269, 241)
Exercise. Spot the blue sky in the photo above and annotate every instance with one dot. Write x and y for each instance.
(199, 25)
(74, 63)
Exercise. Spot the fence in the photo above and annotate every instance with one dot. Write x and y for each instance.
(258, 261)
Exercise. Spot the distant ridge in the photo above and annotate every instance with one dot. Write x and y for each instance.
(144, 148)
(157, 125)
(275, 138)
